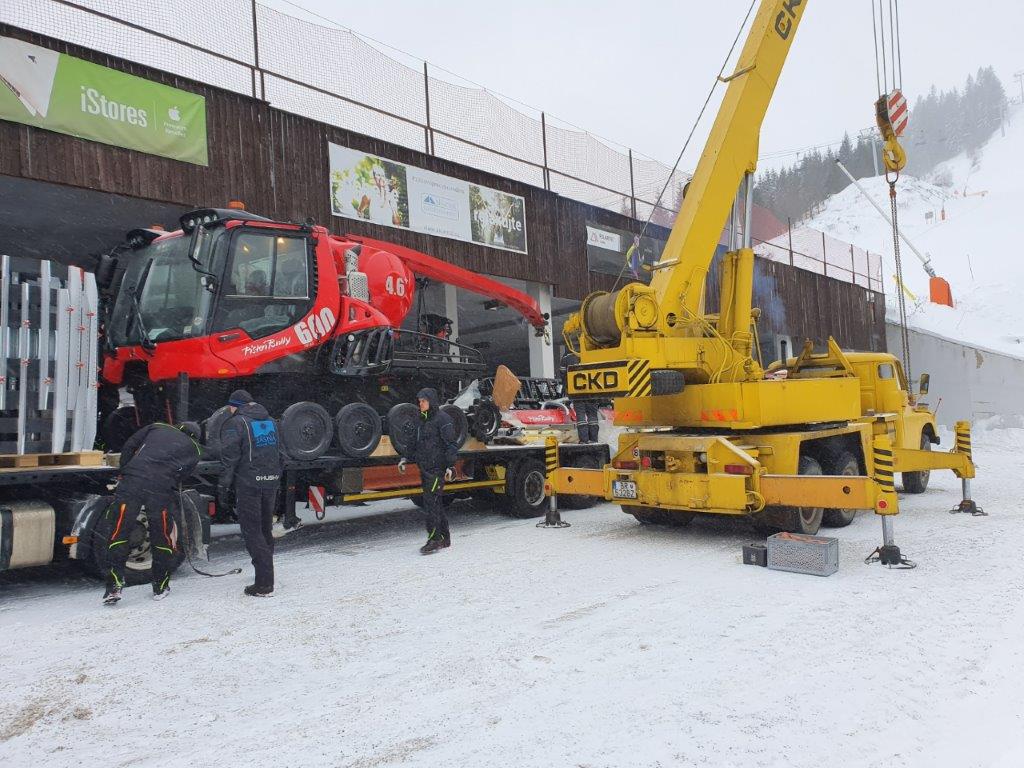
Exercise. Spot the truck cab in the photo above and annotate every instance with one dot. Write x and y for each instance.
(884, 389)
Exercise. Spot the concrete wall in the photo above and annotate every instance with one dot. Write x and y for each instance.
(972, 383)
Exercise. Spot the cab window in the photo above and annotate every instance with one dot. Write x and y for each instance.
(266, 284)
(885, 371)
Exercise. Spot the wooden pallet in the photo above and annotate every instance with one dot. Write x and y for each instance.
(29, 460)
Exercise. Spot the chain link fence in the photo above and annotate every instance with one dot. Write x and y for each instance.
(815, 251)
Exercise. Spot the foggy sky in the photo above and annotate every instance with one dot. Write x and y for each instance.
(637, 72)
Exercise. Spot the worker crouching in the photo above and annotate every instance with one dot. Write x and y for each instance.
(434, 451)
(251, 459)
(154, 461)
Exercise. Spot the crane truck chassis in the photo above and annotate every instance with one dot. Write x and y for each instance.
(709, 428)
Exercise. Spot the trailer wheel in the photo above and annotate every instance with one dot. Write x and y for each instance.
(793, 519)
(358, 429)
(484, 420)
(569, 501)
(459, 420)
(403, 422)
(306, 430)
(525, 489)
(139, 566)
(917, 482)
(658, 516)
(846, 464)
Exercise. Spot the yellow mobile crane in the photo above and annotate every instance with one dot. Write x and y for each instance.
(710, 430)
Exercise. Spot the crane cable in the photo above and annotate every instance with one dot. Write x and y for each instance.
(882, 70)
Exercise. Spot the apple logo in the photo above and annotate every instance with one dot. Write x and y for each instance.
(174, 114)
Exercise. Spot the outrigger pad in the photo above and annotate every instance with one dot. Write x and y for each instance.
(890, 556)
(970, 507)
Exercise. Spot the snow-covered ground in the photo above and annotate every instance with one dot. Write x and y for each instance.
(604, 644)
(975, 247)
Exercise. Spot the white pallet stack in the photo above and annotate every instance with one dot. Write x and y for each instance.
(49, 331)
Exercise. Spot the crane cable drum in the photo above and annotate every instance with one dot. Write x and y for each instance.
(891, 114)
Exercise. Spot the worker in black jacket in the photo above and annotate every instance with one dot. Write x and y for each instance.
(251, 459)
(153, 463)
(434, 452)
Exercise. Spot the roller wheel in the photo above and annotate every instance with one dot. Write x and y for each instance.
(846, 464)
(403, 423)
(917, 482)
(306, 430)
(793, 519)
(484, 420)
(358, 428)
(525, 489)
(459, 420)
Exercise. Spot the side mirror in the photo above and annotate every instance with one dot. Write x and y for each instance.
(923, 382)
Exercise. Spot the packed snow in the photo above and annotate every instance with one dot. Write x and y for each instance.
(965, 215)
(604, 644)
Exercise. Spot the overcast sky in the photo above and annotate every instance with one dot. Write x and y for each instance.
(638, 72)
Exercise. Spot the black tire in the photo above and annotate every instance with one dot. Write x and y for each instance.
(403, 423)
(917, 482)
(793, 519)
(306, 430)
(118, 426)
(358, 429)
(484, 420)
(139, 566)
(658, 516)
(525, 489)
(842, 463)
(568, 501)
(458, 417)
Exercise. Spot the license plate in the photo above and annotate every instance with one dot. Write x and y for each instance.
(623, 489)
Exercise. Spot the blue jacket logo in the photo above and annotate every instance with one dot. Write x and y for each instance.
(264, 432)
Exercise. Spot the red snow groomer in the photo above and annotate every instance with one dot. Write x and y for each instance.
(308, 322)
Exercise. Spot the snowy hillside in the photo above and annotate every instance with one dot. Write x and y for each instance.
(976, 246)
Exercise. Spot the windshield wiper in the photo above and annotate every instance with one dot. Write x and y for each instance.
(144, 341)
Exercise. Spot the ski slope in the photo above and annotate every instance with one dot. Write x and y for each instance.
(976, 247)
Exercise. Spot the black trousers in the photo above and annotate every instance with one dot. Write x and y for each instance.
(587, 415)
(159, 505)
(433, 505)
(254, 508)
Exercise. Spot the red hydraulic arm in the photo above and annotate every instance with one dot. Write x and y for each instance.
(442, 271)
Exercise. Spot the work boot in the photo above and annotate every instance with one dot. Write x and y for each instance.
(111, 595)
(253, 591)
(160, 594)
(432, 546)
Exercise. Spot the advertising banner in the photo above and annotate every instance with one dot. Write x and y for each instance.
(393, 194)
(616, 252)
(52, 90)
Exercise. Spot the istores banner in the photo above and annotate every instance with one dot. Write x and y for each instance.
(393, 194)
(60, 93)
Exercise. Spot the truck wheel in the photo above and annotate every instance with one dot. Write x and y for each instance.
(846, 464)
(484, 420)
(658, 516)
(403, 422)
(306, 430)
(793, 519)
(917, 482)
(525, 489)
(568, 501)
(359, 429)
(139, 566)
(458, 417)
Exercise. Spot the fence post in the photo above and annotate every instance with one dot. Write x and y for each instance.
(632, 188)
(853, 267)
(789, 226)
(544, 142)
(256, 57)
(428, 134)
(824, 255)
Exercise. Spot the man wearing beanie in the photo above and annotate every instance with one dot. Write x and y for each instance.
(251, 459)
(153, 463)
